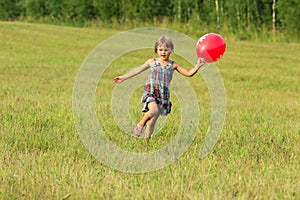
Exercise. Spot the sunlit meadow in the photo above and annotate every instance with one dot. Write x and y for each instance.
(42, 156)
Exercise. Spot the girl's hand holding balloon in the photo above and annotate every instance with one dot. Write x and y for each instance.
(200, 63)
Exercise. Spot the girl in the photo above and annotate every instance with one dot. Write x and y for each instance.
(156, 95)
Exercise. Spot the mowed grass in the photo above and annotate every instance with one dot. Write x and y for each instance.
(42, 156)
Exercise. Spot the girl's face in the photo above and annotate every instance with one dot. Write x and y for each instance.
(163, 52)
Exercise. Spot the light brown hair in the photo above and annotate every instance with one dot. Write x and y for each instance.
(164, 41)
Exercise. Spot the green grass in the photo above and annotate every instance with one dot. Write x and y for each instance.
(42, 156)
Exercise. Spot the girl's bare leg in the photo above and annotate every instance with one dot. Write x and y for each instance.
(150, 118)
(153, 111)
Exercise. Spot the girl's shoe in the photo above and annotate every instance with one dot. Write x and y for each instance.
(138, 130)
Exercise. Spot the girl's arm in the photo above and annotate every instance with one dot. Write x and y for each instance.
(192, 71)
(134, 72)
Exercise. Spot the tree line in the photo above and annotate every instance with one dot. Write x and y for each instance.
(238, 15)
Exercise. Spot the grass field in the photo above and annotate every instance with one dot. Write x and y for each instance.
(42, 156)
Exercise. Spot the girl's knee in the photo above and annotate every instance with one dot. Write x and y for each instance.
(152, 121)
(153, 113)
(153, 110)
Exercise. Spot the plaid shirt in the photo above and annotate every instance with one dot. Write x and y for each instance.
(157, 87)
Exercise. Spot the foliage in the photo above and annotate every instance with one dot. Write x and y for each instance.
(9, 9)
(290, 15)
(238, 15)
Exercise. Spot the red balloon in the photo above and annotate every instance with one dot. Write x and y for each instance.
(211, 47)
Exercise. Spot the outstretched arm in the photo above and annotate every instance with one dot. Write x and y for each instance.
(133, 72)
(192, 71)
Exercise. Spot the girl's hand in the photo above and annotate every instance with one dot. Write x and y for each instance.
(201, 62)
(119, 79)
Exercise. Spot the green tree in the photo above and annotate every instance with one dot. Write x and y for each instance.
(264, 9)
(78, 10)
(10, 9)
(187, 7)
(54, 8)
(107, 10)
(207, 12)
(289, 15)
(35, 8)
